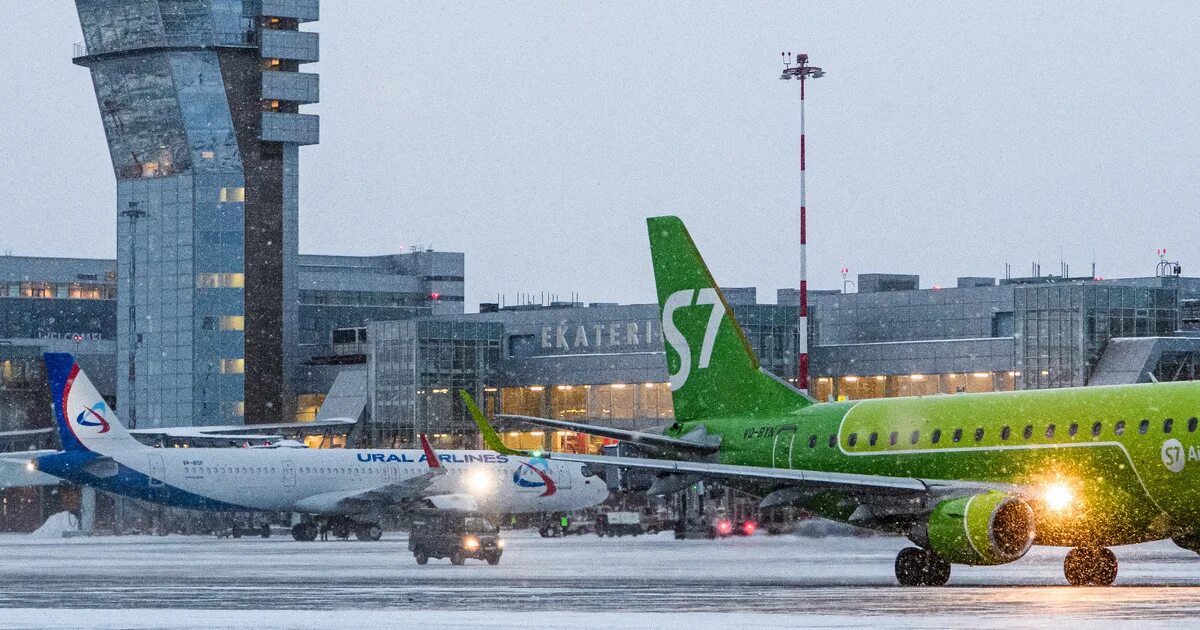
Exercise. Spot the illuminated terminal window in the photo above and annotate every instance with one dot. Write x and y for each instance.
(233, 366)
(233, 195)
(220, 280)
(854, 387)
(38, 289)
(233, 322)
(79, 291)
(307, 406)
(615, 400)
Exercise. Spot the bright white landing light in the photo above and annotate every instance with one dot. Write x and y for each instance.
(1058, 497)
(480, 481)
(30, 466)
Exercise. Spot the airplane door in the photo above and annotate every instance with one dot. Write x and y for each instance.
(781, 451)
(289, 473)
(562, 475)
(157, 470)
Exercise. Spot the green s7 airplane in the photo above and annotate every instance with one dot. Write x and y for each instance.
(971, 479)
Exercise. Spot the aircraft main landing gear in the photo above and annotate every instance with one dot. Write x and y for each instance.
(921, 567)
(368, 531)
(1090, 566)
(304, 532)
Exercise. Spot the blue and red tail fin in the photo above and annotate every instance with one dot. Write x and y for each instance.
(85, 421)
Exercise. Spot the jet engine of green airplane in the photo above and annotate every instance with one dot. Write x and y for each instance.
(983, 529)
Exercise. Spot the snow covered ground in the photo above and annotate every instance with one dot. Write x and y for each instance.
(650, 581)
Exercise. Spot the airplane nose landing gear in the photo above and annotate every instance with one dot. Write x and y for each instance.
(921, 567)
(1090, 566)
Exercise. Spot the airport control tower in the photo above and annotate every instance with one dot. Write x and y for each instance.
(200, 103)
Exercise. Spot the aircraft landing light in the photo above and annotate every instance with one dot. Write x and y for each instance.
(480, 481)
(1058, 497)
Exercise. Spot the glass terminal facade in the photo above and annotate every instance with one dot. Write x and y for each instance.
(63, 304)
(416, 369)
(200, 107)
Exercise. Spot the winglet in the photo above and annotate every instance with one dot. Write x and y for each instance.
(490, 437)
(431, 457)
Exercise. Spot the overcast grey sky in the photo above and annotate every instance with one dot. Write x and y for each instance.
(946, 140)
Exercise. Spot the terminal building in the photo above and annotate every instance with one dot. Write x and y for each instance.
(64, 304)
(892, 338)
(604, 363)
(384, 341)
(70, 304)
(601, 362)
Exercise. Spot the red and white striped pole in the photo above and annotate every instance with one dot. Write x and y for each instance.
(802, 71)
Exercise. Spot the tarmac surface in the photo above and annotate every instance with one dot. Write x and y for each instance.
(648, 581)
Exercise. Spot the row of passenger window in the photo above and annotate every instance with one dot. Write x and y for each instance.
(228, 470)
(307, 470)
(935, 436)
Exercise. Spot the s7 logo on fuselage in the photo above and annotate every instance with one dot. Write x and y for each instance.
(672, 335)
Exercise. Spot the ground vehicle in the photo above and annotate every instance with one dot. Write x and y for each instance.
(551, 526)
(619, 524)
(455, 535)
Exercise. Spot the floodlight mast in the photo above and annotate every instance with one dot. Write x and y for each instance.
(798, 68)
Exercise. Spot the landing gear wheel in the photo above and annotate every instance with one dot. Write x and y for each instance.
(1090, 566)
(237, 531)
(368, 532)
(421, 557)
(304, 532)
(493, 559)
(456, 557)
(921, 567)
(265, 531)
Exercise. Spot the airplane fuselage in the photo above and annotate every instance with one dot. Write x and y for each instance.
(1129, 454)
(320, 481)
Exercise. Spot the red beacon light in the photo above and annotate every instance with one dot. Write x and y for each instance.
(749, 527)
(435, 296)
(724, 527)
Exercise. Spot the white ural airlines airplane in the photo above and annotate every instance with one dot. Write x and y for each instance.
(349, 488)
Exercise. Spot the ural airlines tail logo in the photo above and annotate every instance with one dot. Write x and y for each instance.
(540, 468)
(684, 299)
(94, 417)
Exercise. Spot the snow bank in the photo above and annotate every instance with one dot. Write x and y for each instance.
(56, 526)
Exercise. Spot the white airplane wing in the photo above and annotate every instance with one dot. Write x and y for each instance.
(388, 496)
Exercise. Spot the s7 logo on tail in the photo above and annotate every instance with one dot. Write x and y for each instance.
(684, 299)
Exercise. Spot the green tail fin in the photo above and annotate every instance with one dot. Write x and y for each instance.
(714, 372)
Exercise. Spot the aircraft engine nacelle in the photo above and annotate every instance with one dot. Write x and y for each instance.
(982, 529)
